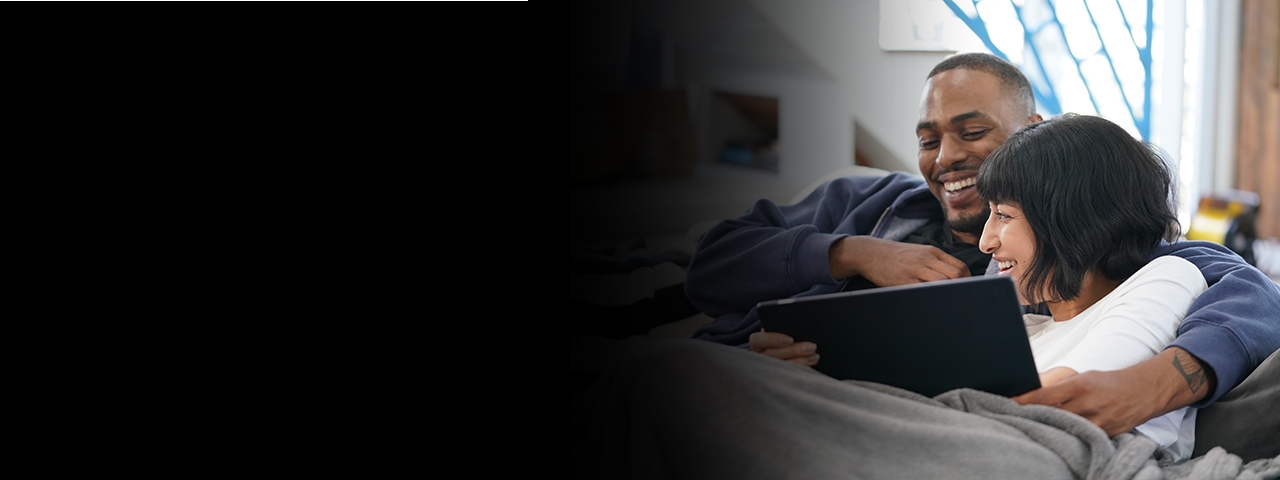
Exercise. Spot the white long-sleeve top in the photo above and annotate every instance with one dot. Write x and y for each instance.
(1131, 324)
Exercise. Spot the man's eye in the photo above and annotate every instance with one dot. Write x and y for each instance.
(975, 134)
(926, 144)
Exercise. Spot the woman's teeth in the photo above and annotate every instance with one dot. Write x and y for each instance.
(1007, 265)
(953, 186)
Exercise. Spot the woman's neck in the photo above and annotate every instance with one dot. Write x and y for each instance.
(1092, 289)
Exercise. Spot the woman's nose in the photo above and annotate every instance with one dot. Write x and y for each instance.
(989, 241)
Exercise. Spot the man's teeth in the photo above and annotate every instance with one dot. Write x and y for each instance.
(1007, 265)
(953, 186)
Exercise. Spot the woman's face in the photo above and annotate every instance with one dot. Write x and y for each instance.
(1008, 238)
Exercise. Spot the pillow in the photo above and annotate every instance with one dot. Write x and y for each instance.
(1244, 422)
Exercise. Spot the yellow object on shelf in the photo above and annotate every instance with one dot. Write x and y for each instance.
(1227, 219)
(1214, 219)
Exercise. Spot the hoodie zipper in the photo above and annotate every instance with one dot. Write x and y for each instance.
(875, 231)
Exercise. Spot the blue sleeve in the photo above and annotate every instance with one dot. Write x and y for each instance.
(773, 252)
(1235, 324)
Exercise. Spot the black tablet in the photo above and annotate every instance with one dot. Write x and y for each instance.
(928, 338)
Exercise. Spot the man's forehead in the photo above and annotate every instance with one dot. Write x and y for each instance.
(958, 95)
(964, 79)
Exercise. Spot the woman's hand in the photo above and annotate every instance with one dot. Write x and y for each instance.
(783, 347)
(1055, 375)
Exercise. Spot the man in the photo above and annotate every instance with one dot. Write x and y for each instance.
(857, 233)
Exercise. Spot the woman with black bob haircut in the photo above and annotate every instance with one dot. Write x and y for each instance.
(1077, 207)
(1096, 199)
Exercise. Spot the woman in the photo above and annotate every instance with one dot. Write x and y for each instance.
(1076, 206)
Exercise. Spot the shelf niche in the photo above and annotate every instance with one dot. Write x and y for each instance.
(746, 130)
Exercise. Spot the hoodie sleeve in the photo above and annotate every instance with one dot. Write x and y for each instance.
(773, 251)
(1235, 324)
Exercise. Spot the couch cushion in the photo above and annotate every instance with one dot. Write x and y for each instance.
(1245, 421)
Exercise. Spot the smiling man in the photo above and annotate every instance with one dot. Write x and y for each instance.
(965, 114)
(868, 232)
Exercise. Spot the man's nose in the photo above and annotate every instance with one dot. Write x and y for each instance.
(950, 152)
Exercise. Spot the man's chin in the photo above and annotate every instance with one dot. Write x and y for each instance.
(970, 223)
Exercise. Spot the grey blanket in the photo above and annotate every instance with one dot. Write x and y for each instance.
(694, 409)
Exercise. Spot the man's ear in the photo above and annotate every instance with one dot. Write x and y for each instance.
(1035, 117)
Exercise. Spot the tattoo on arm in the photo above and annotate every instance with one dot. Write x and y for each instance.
(1190, 370)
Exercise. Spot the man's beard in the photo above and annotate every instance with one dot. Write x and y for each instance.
(970, 224)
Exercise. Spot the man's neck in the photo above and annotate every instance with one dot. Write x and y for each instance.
(962, 237)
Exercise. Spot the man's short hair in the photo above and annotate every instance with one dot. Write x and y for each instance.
(1010, 77)
(1096, 198)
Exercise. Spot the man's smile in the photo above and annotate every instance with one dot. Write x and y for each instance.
(954, 186)
(958, 192)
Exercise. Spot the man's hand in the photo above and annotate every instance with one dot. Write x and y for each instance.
(780, 346)
(887, 263)
(1119, 400)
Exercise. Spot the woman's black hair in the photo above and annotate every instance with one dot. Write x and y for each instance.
(1096, 199)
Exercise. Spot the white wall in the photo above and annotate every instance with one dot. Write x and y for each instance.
(813, 131)
(820, 58)
(847, 79)
(883, 88)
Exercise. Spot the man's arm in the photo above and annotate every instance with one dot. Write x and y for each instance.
(888, 263)
(885, 263)
(776, 251)
(1233, 326)
(1228, 331)
(1117, 401)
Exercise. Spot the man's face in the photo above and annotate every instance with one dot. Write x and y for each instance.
(964, 116)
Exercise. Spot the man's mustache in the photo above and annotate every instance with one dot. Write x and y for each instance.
(961, 168)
